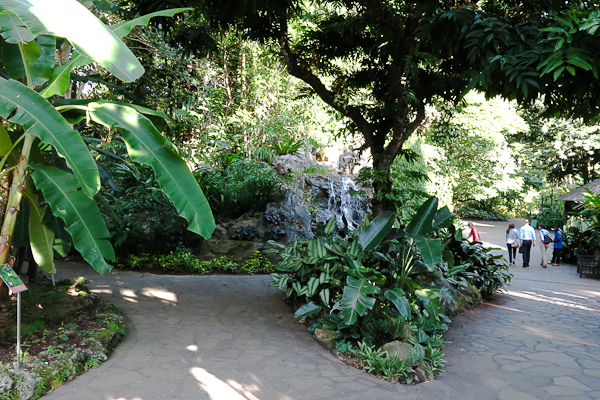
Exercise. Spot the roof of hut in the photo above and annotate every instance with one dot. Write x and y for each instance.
(577, 194)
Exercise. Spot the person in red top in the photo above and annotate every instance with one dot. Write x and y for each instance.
(474, 233)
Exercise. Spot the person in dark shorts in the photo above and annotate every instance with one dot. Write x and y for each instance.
(558, 246)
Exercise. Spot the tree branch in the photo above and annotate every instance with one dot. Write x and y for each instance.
(320, 89)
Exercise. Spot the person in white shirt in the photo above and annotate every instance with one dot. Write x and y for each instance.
(512, 243)
(527, 236)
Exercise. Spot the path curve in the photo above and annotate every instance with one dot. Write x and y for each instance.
(232, 338)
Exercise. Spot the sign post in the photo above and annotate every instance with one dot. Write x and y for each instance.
(15, 285)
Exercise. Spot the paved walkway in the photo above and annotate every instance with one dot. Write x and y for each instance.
(232, 338)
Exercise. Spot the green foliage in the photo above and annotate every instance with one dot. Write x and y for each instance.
(93, 363)
(42, 302)
(362, 286)
(65, 172)
(242, 186)
(380, 363)
(187, 262)
(477, 214)
(139, 216)
(579, 241)
(370, 287)
(581, 235)
(313, 169)
(285, 145)
(482, 269)
(468, 148)
(409, 174)
(551, 217)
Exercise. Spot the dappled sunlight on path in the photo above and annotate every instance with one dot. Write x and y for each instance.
(217, 389)
(233, 338)
(561, 301)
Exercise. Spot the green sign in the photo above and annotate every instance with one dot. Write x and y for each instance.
(12, 280)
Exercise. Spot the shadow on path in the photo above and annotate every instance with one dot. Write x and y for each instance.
(232, 338)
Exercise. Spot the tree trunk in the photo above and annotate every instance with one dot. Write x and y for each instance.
(382, 186)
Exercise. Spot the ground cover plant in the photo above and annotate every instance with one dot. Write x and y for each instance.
(66, 330)
(383, 296)
(186, 262)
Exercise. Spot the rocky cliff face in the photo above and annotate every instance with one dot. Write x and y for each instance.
(305, 201)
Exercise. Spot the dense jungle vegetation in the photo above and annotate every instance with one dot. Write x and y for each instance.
(135, 155)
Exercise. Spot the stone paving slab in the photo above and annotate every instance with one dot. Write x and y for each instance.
(233, 338)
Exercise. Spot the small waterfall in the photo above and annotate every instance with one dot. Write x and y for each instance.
(352, 204)
(344, 204)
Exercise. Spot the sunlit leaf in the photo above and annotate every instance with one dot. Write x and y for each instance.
(27, 108)
(86, 32)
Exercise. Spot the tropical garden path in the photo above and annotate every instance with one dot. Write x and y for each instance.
(232, 338)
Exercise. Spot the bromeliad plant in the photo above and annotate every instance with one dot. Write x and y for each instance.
(362, 287)
(47, 160)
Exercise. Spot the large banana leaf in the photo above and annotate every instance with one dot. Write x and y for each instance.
(374, 233)
(11, 59)
(5, 142)
(39, 54)
(83, 102)
(27, 108)
(147, 146)
(13, 29)
(431, 251)
(443, 218)
(355, 300)
(82, 217)
(61, 75)
(422, 222)
(71, 20)
(62, 240)
(40, 236)
(307, 310)
(124, 28)
(42, 67)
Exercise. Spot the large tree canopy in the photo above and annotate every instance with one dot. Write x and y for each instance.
(378, 63)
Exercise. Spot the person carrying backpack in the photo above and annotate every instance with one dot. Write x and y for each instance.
(558, 246)
(545, 240)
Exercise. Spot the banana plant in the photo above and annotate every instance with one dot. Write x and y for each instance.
(30, 125)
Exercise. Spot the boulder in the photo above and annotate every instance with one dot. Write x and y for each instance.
(407, 333)
(235, 250)
(25, 387)
(325, 338)
(220, 233)
(6, 383)
(398, 349)
(296, 163)
(467, 298)
(294, 215)
(422, 375)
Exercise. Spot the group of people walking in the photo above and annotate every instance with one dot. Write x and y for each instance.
(524, 239)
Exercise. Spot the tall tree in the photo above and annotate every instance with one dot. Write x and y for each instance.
(378, 63)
